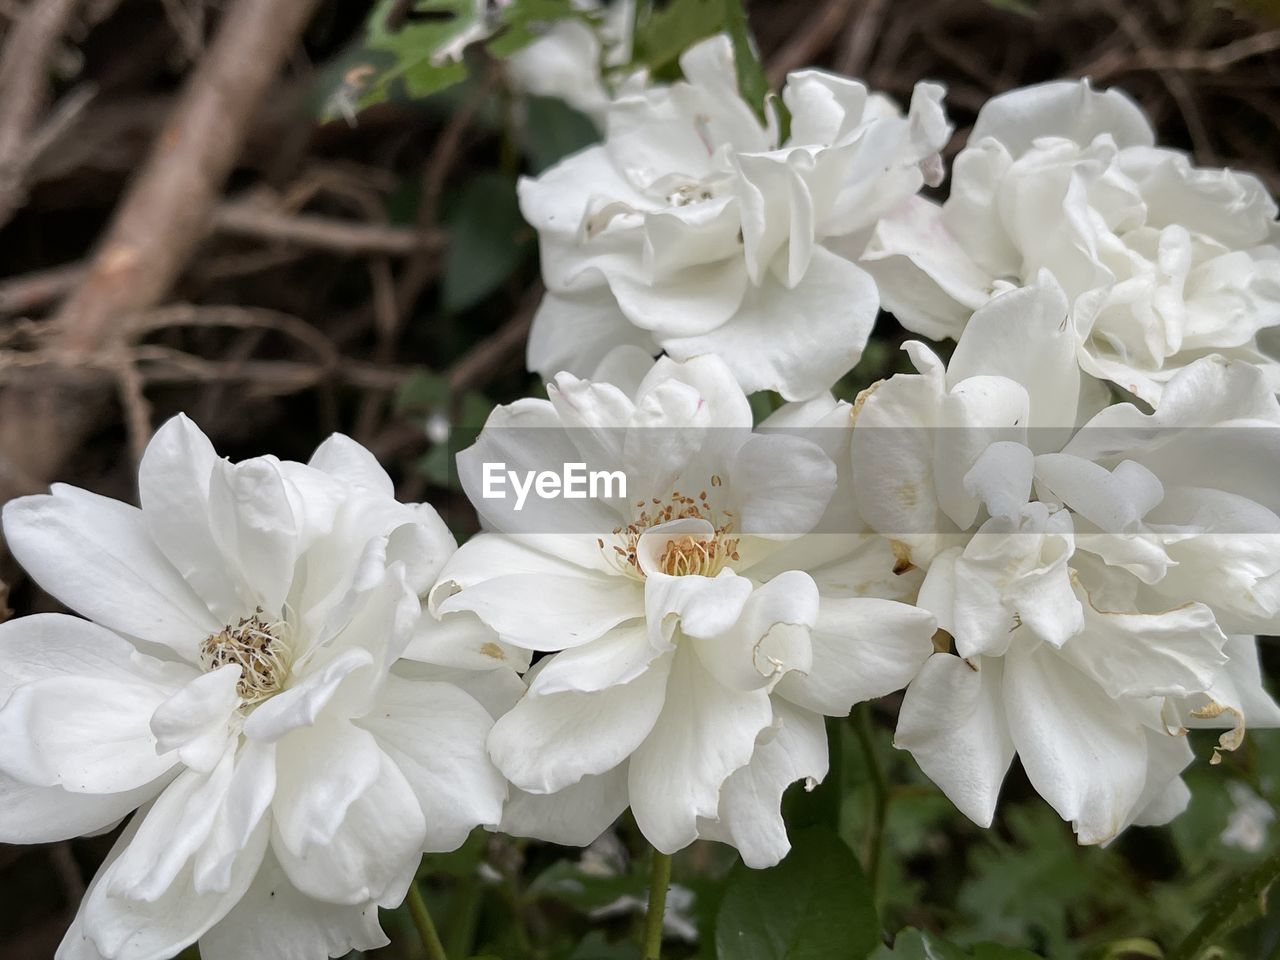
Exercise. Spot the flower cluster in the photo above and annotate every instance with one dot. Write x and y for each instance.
(1061, 540)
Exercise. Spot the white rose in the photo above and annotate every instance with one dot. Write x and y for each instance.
(234, 684)
(1162, 262)
(691, 229)
(688, 674)
(1088, 577)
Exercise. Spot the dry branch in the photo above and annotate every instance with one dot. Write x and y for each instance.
(166, 211)
(24, 65)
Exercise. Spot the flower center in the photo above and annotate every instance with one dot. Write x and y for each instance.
(684, 555)
(261, 650)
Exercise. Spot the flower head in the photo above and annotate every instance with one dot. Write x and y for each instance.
(1162, 262)
(1092, 598)
(692, 228)
(689, 656)
(234, 683)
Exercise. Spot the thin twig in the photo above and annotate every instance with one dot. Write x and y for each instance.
(247, 218)
(813, 36)
(24, 64)
(860, 37)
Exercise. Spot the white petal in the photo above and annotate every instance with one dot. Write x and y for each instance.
(926, 278)
(301, 704)
(575, 332)
(862, 648)
(1024, 335)
(374, 853)
(173, 487)
(172, 830)
(97, 556)
(1083, 752)
(461, 640)
(1176, 653)
(45, 814)
(575, 817)
(541, 611)
(786, 502)
(158, 929)
(1064, 108)
(257, 528)
(436, 734)
(769, 640)
(273, 919)
(548, 742)
(953, 722)
(86, 734)
(751, 799)
(698, 606)
(620, 656)
(829, 317)
(322, 771)
(195, 721)
(705, 732)
(344, 459)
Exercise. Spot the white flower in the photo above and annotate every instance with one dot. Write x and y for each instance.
(1087, 578)
(691, 229)
(233, 683)
(568, 59)
(1162, 262)
(689, 667)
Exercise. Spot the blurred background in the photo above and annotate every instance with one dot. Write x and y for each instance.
(298, 255)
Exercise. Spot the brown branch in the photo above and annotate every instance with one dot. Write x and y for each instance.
(859, 39)
(24, 63)
(1216, 60)
(166, 211)
(250, 219)
(813, 36)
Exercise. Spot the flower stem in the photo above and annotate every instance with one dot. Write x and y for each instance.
(1236, 905)
(879, 795)
(659, 880)
(426, 926)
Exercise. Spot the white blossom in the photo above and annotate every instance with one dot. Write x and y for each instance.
(688, 668)
(1089, 578)
(233, 682)
(693, 230)
(1162, 262)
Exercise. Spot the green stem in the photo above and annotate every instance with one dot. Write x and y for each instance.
(426, 926)
(1236, 905)
(879, 795)
(659, 880)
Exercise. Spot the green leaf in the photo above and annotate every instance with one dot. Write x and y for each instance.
(566, 882)
(911, 944)
(525, 20)
(488, 240)
(413, 54)
(553, 130)
(746, 60)
(668, 32)
(814, 905)
(595, 947)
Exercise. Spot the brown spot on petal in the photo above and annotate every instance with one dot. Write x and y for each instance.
(902, 557)
(491, 649)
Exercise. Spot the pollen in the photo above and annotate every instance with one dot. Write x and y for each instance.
(685, 555)
(261, 650)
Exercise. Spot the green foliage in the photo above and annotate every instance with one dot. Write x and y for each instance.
(666, 32)
(814, 905)
(918, 945)
(488, 241)
(422, 54)
(553, 130)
